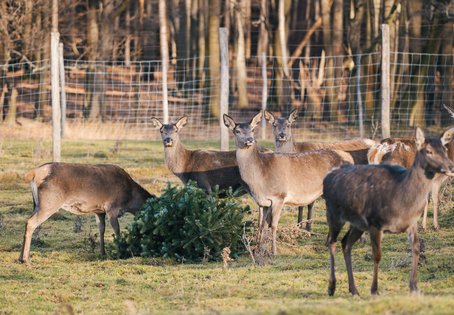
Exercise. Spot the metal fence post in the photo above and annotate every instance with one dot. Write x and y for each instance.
(264, 93)
(55, 88)
(224, 103)
(385, 82)
(61, 64)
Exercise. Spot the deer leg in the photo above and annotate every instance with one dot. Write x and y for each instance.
(300, 216)
(115, 225)
(414, 242)
(333, 233)
(41, 214)
(435, 196)
(424, 216)
(309, 216)
(101, 222)
(276, 208)
(376, 236)
(348, 241)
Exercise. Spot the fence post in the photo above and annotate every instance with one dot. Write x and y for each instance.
(55, 88)
(62, 89)
(385, 88)
(358, 95)
(264, 93)
(164, 58)
(224, 94)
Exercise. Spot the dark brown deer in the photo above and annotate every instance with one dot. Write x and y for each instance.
(284, 142)
(402, 151)
(276, 179)
(101, 189)
(382, 199)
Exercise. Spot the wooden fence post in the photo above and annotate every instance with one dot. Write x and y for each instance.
(224, 95)
(385, 88)
(55, 88)
(358, 95)
(164, 58)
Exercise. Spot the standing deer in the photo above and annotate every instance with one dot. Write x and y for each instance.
(276, 179)
(206, 167)
(102, 189)
(382, 198)
(402, 151)
(284, 142)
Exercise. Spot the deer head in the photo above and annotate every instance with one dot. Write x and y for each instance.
(243, 132)
(169, 132)
(434, 157)
(282, 126)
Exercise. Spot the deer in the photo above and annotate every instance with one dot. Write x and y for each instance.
(382, 199)
(402, 151)
(284, 143)
(276, 179)
(101, 189)
(208, 168)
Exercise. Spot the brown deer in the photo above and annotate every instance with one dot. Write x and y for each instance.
(382, 199)
(207, 168)
(102, 189)
(402, 151)
(276, 179)
(284, 142)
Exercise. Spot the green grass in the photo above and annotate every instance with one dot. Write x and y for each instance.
(67, 276)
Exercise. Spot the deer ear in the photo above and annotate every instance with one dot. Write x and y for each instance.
(181, 122)
(449, 109)
(420, 138)
(270, 117)
(447, 136)
(255, 121)
(156, 122)
(229, 122)
(293, 116)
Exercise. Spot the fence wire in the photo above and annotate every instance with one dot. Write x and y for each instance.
(111, 100)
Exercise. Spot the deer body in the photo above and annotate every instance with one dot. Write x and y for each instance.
(102, 189)
(284, 143)
(276, 179)
(379, 199)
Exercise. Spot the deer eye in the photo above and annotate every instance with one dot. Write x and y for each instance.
(429, 152)
(237, 131)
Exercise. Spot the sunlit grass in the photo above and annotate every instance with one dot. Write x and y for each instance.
(66, 274)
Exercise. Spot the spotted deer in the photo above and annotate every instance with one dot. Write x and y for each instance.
(276, 179)
(284, 143)
(382, 199)
(101, 189)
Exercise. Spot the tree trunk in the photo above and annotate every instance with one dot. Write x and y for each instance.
(128, 37)
(414, 97)
(240, 62)
(4, 60)
(263, 35)
(337, 42)
(447, 71)
(214, 56)
(28, 17)
(92, 99)
(201, 43)
(12, 110)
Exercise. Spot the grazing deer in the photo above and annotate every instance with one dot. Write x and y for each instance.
(276, 179)
(283, 140)
(102, 189)
(402, 151)
(379, 199)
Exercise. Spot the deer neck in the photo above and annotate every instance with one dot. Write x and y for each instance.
(416, 186)
(252, 170)
(176, 157)
(287, 146)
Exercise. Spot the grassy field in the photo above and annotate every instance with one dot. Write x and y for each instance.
(68, 276)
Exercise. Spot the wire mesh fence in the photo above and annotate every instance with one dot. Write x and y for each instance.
(112, 100)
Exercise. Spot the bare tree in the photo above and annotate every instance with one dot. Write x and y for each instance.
(214, 55)
(240, 62)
